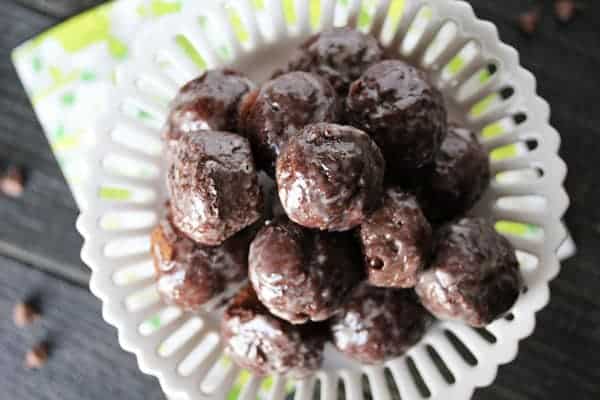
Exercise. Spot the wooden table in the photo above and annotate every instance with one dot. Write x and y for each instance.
(39, 247)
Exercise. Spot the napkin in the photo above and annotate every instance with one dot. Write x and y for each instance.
(69, 70)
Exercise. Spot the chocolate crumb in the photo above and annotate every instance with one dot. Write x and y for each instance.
(565, 10)
(528, 21)
(11, 183)
(37, 356)
(24, 314)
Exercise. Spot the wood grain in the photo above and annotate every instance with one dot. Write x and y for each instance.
(85, 360)
(59, 8)
(37, 228)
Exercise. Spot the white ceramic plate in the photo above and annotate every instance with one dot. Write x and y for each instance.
(485, 88)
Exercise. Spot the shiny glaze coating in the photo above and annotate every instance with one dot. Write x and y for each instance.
(330, 177)
(460, 175)
(340, 55)
(377, 324)
(188, 274)
(405, 114)
(302, 275)
(264, 344)
(281, 108)
(474, 276)
(396, 241)
(209, 102)
(213, 186)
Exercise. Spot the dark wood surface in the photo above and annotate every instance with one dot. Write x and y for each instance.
(38, 227)
(39, 247)
(85, 360)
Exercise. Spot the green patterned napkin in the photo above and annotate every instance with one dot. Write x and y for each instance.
(69, 70)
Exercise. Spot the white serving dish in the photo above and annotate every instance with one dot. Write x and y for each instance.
(127, 192)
